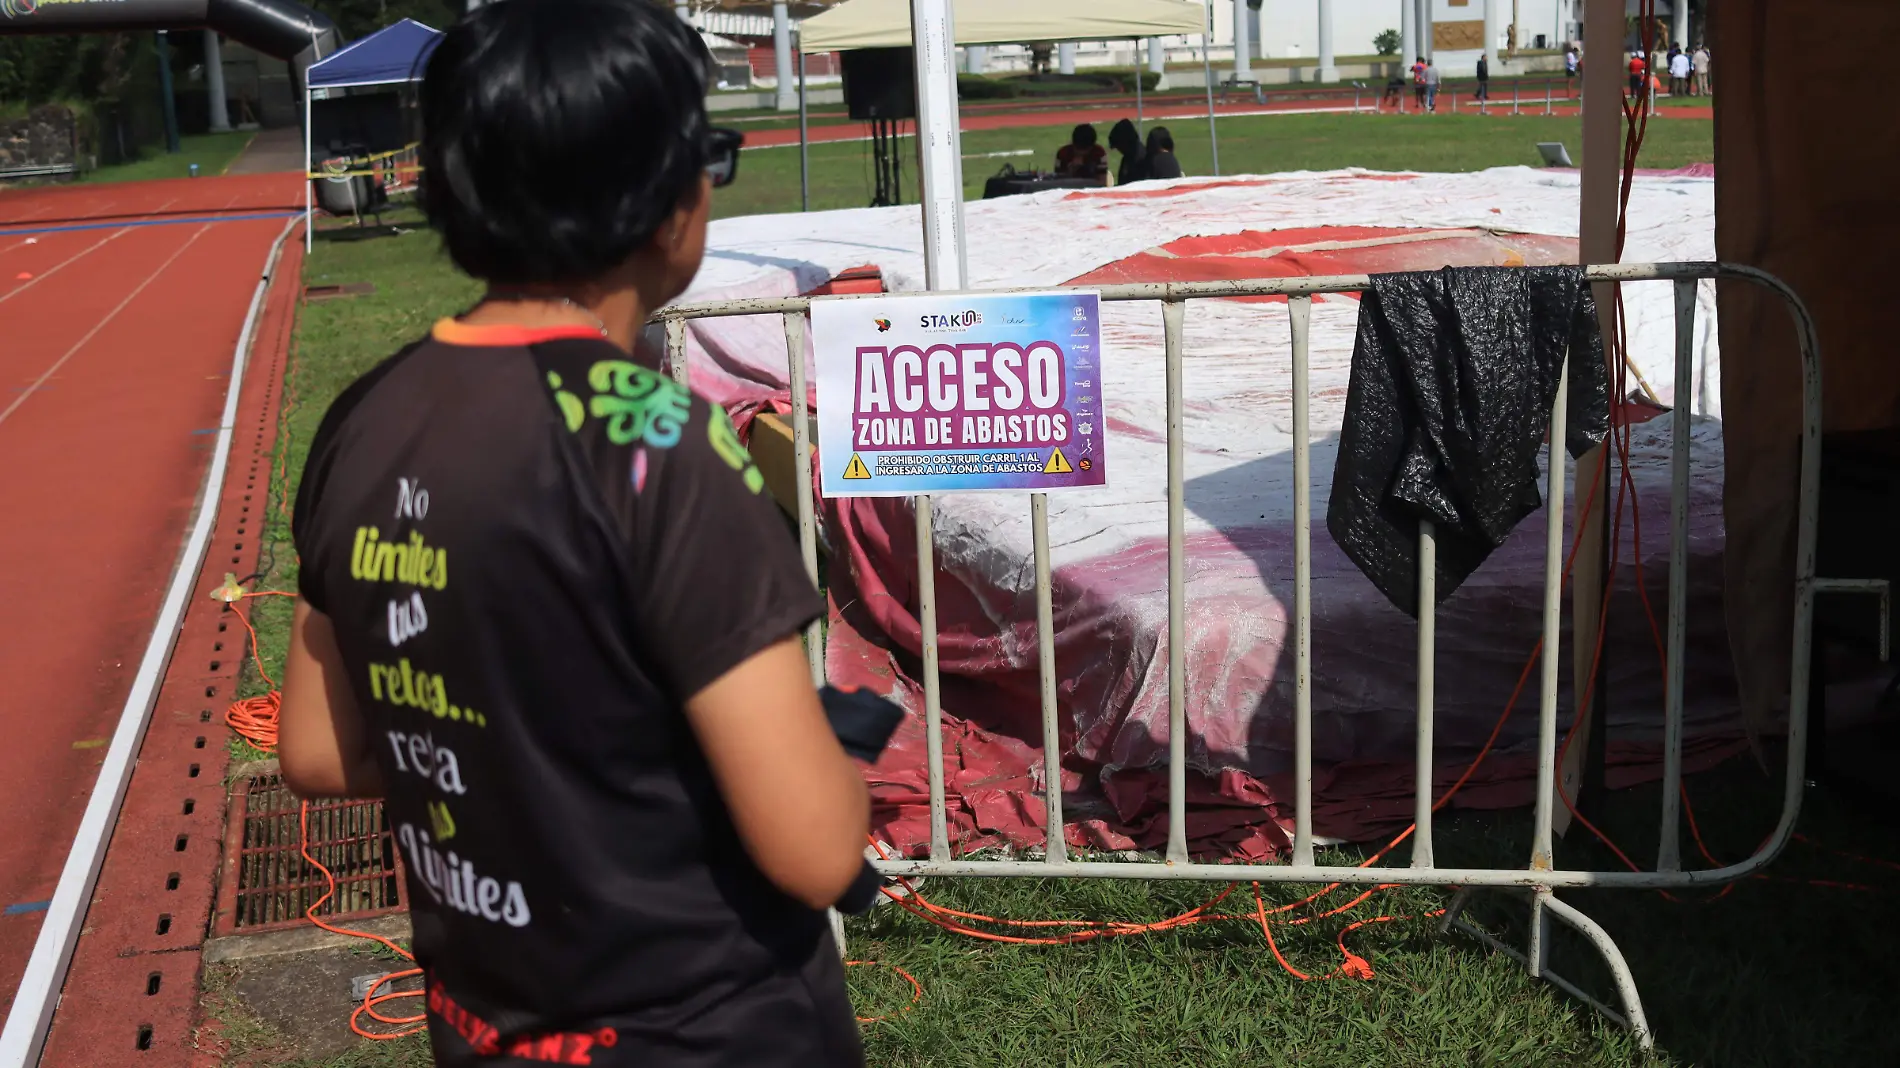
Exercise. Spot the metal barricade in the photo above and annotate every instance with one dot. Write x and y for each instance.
(1539, 877)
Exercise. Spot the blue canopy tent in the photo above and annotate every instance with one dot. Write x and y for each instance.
(393, 55)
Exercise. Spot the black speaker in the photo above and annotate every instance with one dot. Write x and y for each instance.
(880, 83)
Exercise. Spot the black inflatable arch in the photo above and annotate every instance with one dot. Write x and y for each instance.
(280, 28)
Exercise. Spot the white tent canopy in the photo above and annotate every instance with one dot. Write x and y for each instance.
(886, 23)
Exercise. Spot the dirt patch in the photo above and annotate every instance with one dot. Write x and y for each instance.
(294, 1010)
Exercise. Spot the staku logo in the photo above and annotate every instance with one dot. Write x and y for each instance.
(18, 8)
(962, 320)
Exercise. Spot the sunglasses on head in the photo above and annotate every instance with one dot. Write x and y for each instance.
(722, 155)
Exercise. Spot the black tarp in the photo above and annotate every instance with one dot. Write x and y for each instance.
(1453, 376)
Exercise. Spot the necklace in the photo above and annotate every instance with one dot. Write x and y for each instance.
(565, 302)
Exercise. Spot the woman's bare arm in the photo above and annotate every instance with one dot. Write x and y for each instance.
(798, 801)
(323, 748)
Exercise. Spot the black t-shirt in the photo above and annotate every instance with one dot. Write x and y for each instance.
(534, 549)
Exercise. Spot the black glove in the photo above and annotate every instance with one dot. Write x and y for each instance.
(862, 893)
(863, 721)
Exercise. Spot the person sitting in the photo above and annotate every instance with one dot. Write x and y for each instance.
(1124, 138)
(1082, 157)
(1161, 161)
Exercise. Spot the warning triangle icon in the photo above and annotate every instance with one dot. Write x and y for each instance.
(1058, 464)
(856, 468)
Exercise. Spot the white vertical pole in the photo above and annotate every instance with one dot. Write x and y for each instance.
(782, 57)
(1242, 47)
(1328, 68)
(941, 143)
(1491, 35)
(1408, 34)
(1679, 30)
(1157, 57)
(1300, 314)
(1425, 21)
(976, 59)
(1139, 117)
(214, 82)
(1207, 77)
(309, 221)
(1065, 57)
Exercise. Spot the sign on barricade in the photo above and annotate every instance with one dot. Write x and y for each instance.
(948, 393)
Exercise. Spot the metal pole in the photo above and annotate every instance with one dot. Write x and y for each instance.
(1171, 317)
(801, 470)
(1139, 76)
(804, 137)
(925, 533)
(1668, 854)
(1541, 858)
(940, 142)
(1427, 664)
(169, 104)
(1300, 312)
(309, 215)
(1055, 849)
(1207, 72)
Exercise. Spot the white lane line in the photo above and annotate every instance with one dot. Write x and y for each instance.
(49, 272)
(100, 325)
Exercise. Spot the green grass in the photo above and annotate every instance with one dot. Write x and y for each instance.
(212, 152)
(1775, 973)
(841, 170)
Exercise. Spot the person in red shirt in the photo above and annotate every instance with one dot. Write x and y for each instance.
(1418, 83)
(1639, 68)
(1082, 157)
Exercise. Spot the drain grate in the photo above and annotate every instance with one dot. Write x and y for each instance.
(267, 883)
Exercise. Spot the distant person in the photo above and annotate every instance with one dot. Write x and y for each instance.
(1418, 82)
(1124, 138)
(1161, 161)
(1573, 65)
(1431, 85)
(1639, 69)
(1082, 157)
(1394, 93)
(1484, 77)
(1679, 73)
(1699, 63)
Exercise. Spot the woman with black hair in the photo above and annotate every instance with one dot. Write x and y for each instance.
(1161, 161)
(545, 611)
(1082, 157)
(1124, 138)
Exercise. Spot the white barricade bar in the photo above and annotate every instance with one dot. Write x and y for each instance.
(1539, 876)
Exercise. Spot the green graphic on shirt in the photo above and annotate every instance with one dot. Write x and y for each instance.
(725, 442)
(440, 819)
(638, 404)
(401, 684)
(571, 408)
(415, 561)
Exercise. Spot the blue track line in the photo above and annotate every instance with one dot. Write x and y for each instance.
(6, 231)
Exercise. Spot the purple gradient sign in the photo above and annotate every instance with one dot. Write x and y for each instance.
(952, 393)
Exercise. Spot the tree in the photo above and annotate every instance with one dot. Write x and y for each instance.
(1386, 43)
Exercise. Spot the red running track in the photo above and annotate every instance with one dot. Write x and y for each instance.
(115, 347)
(1175, 111)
